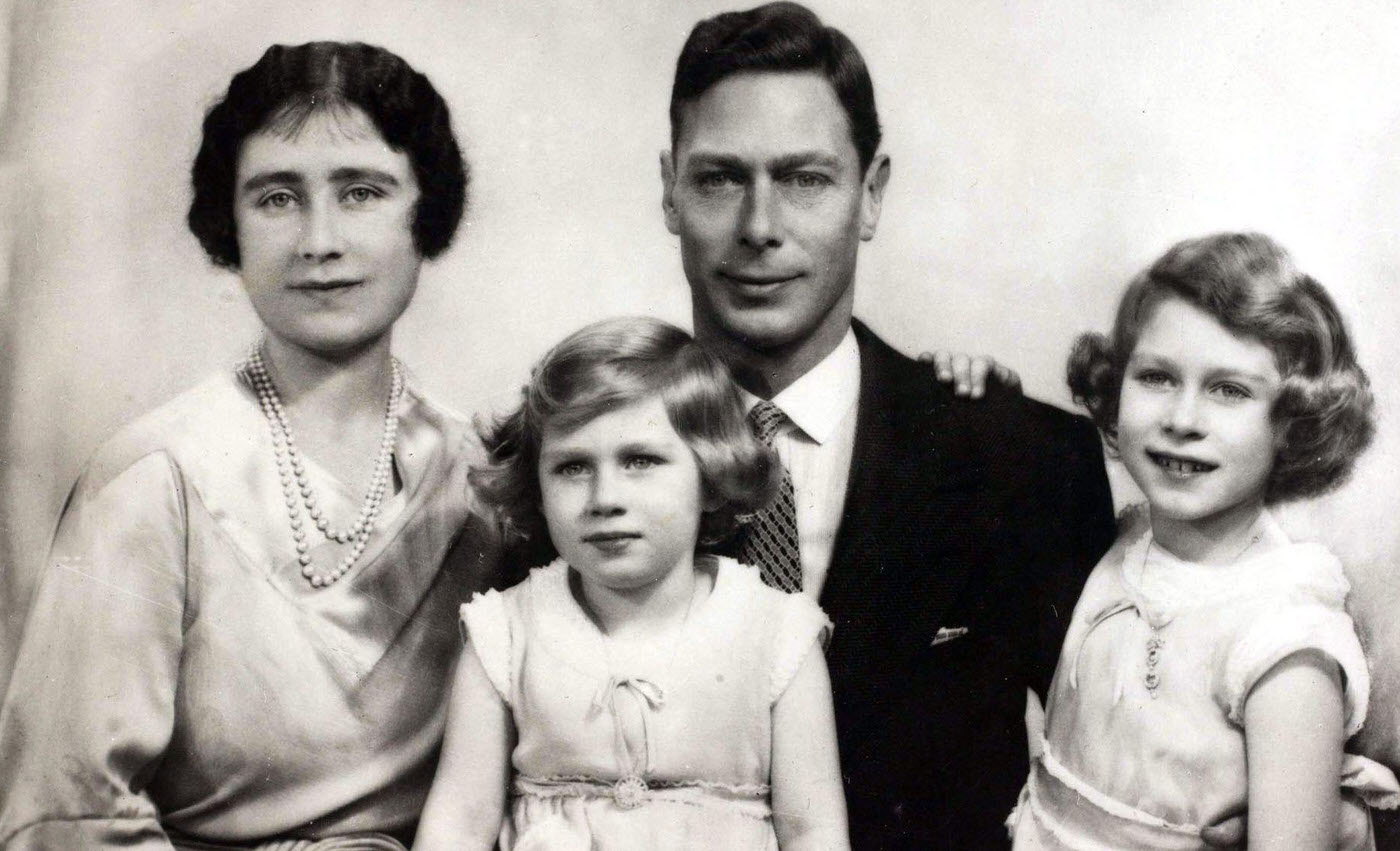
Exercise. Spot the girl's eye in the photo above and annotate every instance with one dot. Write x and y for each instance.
(570, 469)
(1233, 391)
(642, 462)
(278, 198)
(1153, 378)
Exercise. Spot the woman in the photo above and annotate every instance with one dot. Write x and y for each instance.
(246, 624)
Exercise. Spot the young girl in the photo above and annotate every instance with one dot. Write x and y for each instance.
(1210, 666)
(634, 694)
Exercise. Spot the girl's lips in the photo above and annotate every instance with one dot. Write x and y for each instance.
(609, 536)
(611, 543)
(1178, 465)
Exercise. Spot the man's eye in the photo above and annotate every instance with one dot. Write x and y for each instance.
(716, 180)
(807, 180)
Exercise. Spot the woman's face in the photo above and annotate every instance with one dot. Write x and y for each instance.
(324, 215)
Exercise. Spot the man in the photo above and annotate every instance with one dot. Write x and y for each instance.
(948, 539)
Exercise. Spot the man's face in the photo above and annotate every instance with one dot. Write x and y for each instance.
(765, 190)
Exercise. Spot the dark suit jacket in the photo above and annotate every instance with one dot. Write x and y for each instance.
(982, 515)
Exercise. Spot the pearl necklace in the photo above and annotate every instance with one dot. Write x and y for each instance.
(296, 487)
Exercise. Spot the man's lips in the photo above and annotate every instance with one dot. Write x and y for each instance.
(758, 280)
(1180, 465)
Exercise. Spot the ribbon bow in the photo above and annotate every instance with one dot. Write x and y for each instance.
(648, 697)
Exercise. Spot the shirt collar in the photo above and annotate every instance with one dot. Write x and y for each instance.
(819, 400)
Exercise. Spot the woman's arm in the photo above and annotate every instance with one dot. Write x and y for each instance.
(809, 805)
(468, 799)
(91, 703)
(1293, 743)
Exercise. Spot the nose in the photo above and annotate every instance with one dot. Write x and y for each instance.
(1182, 416)
(321, 236)
(761, 226)
(604, 497)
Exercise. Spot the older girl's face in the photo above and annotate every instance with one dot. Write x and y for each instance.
(1195, 426)
(324, 216)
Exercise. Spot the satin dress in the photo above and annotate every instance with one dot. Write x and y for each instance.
(180, 683)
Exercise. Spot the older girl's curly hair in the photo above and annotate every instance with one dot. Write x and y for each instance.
(1250, 284)
(609, 365)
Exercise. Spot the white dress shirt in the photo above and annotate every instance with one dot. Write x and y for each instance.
(815, 446)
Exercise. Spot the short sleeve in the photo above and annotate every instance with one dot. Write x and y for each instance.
(801, 628)
(1284, 626)
(485, 623)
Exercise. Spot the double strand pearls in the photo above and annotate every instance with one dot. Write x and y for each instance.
(296, 487)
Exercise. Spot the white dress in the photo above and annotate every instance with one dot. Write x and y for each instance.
(664, 746)
(1144, 740)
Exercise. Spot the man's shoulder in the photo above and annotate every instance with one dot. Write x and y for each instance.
(909, 390)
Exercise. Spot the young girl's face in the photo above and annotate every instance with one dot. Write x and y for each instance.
(621, 496)
(1194, 425)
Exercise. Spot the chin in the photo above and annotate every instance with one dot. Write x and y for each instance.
(762, 332)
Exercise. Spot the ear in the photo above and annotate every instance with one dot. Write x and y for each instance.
(873, 194)
(668, 189)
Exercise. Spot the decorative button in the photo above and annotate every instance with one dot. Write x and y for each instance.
(630, 792)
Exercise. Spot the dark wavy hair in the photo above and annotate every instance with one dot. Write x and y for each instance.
(777, 37)
(287, 85)
(606, 366)
(1250, 284)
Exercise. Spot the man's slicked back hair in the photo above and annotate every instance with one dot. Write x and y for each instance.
(777, 37)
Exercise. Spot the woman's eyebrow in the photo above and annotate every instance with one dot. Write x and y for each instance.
(264, 179)
(352, 173)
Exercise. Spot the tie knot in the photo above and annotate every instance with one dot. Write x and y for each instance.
(765, 418)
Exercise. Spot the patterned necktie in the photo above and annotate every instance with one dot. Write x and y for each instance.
(770, 541)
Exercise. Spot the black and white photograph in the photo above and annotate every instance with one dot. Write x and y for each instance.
(679, 424)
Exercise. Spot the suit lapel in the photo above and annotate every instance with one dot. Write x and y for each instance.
(902, 554)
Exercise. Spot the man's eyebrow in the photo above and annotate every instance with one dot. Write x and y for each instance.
(708, 159)
(785, 162)
(264, 179)
(799, 159)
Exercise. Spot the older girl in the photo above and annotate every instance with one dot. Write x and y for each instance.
(244, 633)
(1210, 664)
(634, 694)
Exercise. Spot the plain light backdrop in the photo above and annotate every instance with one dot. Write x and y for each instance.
(1042, 154)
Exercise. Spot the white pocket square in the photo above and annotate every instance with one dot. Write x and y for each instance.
(946, 634)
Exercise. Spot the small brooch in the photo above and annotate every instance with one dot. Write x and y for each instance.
(630, 792)
(1154, 654)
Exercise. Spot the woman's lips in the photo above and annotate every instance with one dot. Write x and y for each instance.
(326, 286)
